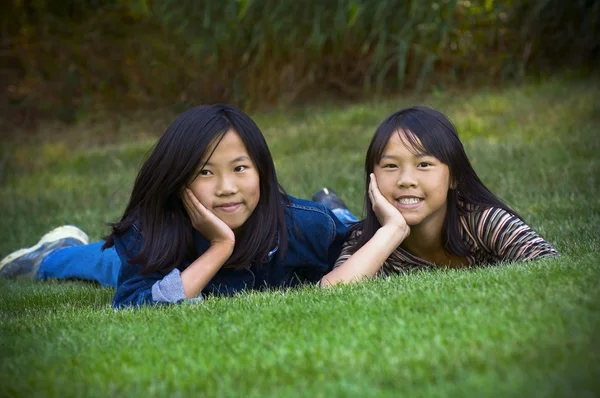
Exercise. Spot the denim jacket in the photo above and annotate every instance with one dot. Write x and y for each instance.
(315, 238)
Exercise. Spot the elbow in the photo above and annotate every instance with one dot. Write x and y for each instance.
(328, 281)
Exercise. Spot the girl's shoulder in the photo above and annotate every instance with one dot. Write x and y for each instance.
(475, 215)
(496, 234)
(478, 221)
(130, 236)
(488, 226)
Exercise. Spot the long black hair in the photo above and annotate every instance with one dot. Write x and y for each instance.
(155, 206)
(428, 131)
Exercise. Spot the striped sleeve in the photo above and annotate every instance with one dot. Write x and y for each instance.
(507, 238)
(348, 248)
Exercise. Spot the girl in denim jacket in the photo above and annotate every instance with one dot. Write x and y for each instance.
(206, 216)
(426, 207)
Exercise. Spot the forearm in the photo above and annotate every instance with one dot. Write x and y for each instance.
(197, 275)
(366, 261)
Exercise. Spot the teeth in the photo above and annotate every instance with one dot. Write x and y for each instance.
(409, 201)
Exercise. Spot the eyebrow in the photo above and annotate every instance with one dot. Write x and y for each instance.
(238, 159)
(418, 155)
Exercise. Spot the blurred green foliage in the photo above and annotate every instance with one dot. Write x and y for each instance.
(67, 57)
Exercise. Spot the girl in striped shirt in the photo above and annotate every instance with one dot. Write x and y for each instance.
(426, 207)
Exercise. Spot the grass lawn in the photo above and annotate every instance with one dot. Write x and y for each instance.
(515, 330)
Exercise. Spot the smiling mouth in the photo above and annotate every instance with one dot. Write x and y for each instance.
(409, 200)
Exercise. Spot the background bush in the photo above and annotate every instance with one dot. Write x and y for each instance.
(64, 58)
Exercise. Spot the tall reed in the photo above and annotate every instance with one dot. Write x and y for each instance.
(74, 55)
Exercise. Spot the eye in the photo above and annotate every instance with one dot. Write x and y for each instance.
(424, 164)
(389, 166)
(205, 172)
(239, 169)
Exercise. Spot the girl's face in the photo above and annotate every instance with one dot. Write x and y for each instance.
(228, 183)
(417, 185)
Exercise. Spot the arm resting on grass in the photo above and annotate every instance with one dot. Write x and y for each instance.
(195, 277)
(367, 260)
(135, 288)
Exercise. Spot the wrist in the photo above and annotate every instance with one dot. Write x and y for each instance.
(223, 246)
(394, 232)
(223, 243)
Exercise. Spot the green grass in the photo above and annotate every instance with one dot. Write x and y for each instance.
(516, 330)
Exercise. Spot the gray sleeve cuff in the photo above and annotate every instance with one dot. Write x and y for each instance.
(170, 289)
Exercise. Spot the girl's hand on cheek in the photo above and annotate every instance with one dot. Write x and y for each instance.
(386, 213)
(205, 222)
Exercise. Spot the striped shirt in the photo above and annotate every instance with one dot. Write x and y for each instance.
(492, 236)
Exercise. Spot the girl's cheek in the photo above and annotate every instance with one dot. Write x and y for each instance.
(384, 182)
(201, 192)
(253, 185)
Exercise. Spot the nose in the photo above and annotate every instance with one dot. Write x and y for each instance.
(226, 186)
(407, 179)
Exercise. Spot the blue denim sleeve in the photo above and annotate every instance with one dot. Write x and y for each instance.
(315, 235)
(338, 237)
(136, 289)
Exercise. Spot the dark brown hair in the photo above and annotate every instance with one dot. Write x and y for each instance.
(156, 208)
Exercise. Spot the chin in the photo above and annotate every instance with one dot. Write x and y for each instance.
(412, 222)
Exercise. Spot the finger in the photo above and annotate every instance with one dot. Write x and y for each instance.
(201, 210)
(193, 200)
(194, 204)
(189, 208)
(376, 192)
(370, 191)
(186, 201)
